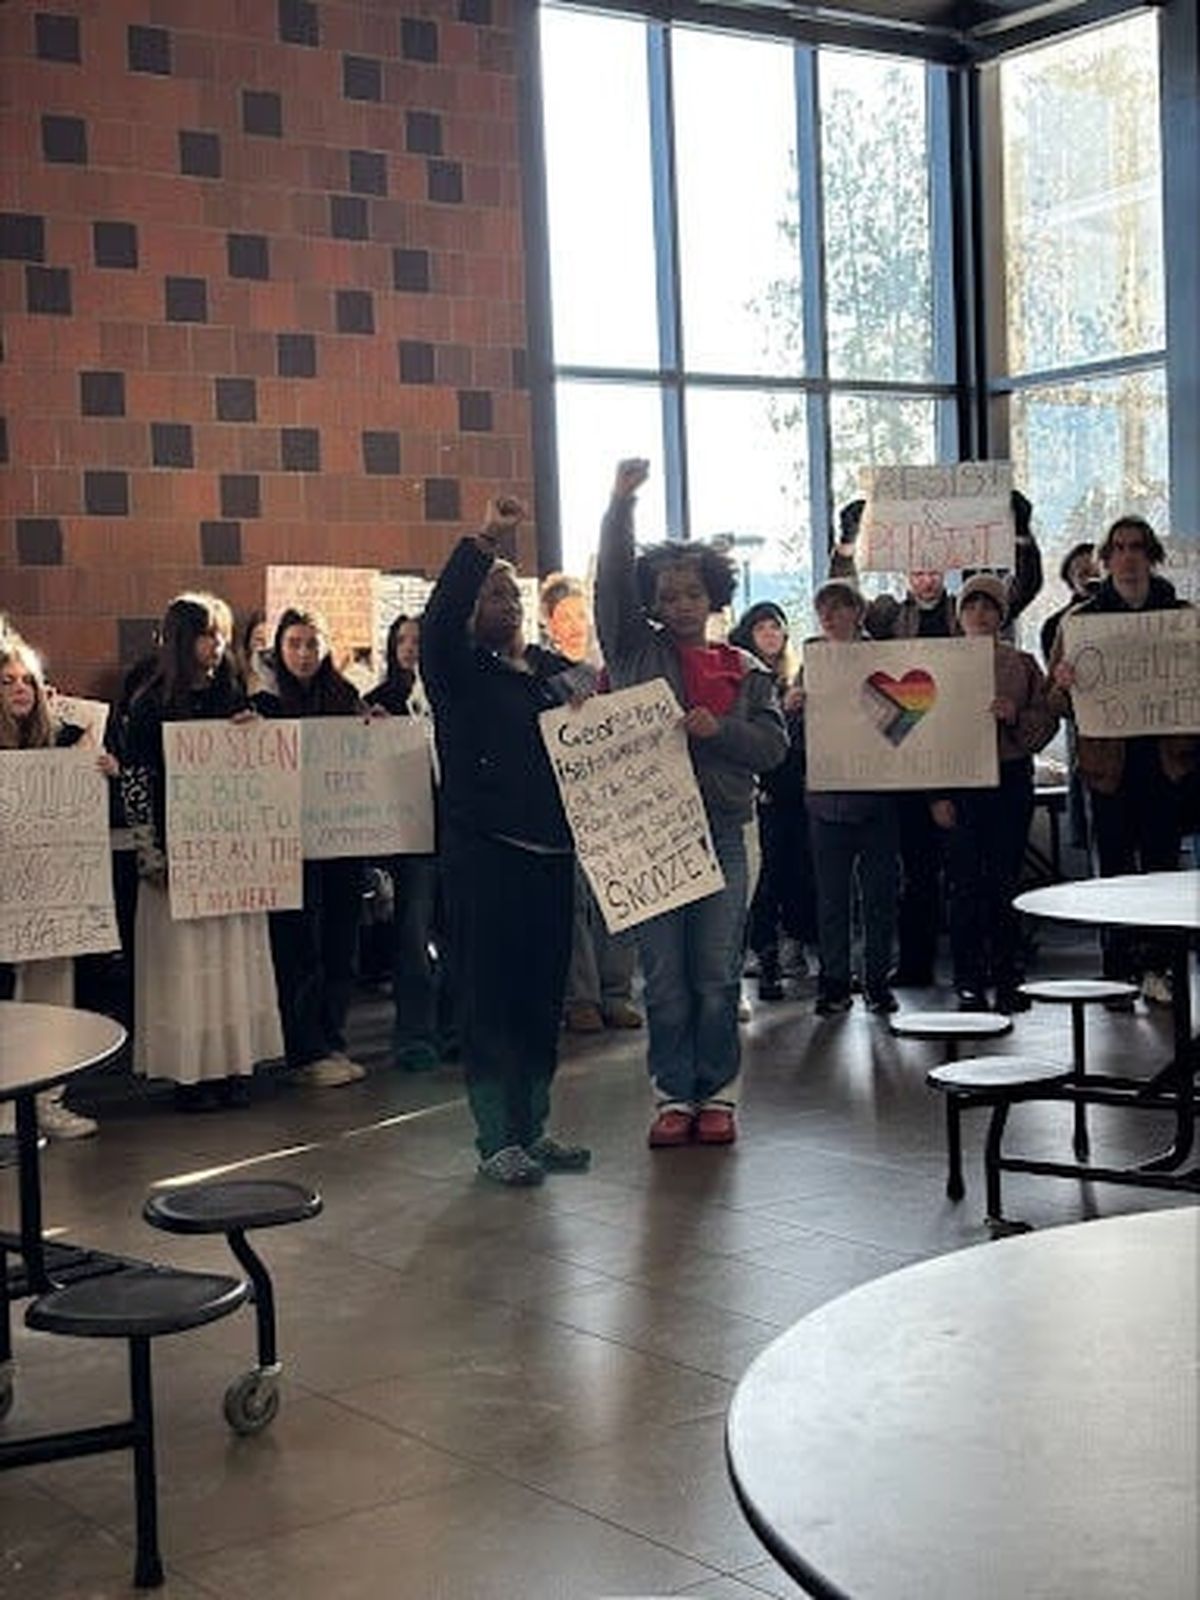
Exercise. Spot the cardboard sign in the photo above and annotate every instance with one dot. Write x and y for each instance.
(397, 594)
(343, 596)
(630, 795)
(939, 519)
(367, 787)
(1181, 568)
(90, 715)
(1136, 672)
(903, 714)
(233, 817)
(56, 895)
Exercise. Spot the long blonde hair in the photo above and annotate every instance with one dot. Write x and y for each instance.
(38, 730)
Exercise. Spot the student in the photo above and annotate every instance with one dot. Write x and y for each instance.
(855, 836)
(506, 851)
(313, 949)
(414, 879)
(1080, 573)
(784, 897)
(204, 1003)
(27, 722)
(986, 829)
(653, 613)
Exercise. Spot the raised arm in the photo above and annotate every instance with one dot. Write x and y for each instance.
(620, 618)
(445, 624)
(1026, 581)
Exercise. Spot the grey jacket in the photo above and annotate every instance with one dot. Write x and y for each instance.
(752, 737)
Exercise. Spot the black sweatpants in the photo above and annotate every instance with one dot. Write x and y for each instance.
(313, 951)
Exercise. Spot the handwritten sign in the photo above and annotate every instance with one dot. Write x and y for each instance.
(397, 594)
(936, 518)
(1136, 672)
(630, 795)
(903, 714)
(343, 596)
(367, 787)
(90, 715)
(233, 817)
(1181, 568)
(56, 895)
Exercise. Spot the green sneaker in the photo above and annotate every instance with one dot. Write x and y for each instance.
(512, 1167)
(552, 1156)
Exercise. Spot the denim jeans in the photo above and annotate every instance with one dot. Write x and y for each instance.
(837, 848)
(602, 963)
(692, 962)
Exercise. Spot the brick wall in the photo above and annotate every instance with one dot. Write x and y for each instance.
(262, 291)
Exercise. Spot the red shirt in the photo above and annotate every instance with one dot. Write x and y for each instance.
(712, 675)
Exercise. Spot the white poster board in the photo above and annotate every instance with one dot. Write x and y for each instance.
(936, 518)
(630, 795)
(343, 596)
(1181, 568)
(1136, 672)
(902, 714)
(90, 715)
(56, 894)
(406, 594)
(233, 817)
(367, 786)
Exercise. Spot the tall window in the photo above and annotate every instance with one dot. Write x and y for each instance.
(1082, 212)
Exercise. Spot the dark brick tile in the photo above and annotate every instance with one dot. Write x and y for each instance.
(410, 271)
(300, 449)
(22, 237)
(149, 49)
(56, 38)
(381, 452)
(171, 444)
(442, 500)
(221, 544)
(240, 495)
(520, 369)
(367, 172)
(236, 399)
(362, 78)
(102, 394)
(416, 361)
(39, 542)
(199, 153)
(136, 638)
(296, 355)
(48, 291)
(348, 217)
(418, 39)
(186, 299)
(106, 494)
(423, 133)
(64, 139)
(474, 411)
(247, 255)
(298, 23)
(355, 311)
(262, 113)
(444, 181)
(114, 244)
(477, 11)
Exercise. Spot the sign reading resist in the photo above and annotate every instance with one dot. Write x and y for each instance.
(1136, 672)
(368, 788)
(938, 519)
(630, 795)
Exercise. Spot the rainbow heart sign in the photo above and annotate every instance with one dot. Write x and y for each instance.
(897, 705)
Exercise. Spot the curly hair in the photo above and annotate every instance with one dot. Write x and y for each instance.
(717, 571)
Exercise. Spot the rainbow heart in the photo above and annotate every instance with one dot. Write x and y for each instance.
(896, 705)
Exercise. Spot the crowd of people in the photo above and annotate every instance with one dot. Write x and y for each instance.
(496, 941)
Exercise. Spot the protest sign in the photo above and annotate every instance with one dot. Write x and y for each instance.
(90, 715)
(630, 795)
(343, 596)
(367, 787)
(397, 594)
(936, 518)
(1136, 672)
(233, 817)
(1181, 568)
(56, 896)
(903, 714)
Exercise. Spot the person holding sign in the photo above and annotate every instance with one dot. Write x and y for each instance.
(652, 612)
(506, 851)
(204, 1003)
(1135, 785)
(313, 949)
(986, 829)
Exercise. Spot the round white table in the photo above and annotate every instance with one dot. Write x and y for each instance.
(1015, 1421)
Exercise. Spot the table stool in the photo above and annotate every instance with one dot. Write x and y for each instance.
(138, 1304)
(950, 1029)
(999, 1082)
(232, 1206)
(1079, 993)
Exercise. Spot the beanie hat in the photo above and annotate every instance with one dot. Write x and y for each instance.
(990, 586)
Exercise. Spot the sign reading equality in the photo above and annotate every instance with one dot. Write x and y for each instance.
(938, 519)
(630, 795)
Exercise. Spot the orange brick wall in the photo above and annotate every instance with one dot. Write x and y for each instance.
(262, 290)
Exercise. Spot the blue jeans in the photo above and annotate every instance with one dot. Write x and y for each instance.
(692, 963)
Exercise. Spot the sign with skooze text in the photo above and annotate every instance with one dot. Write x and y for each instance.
(367, 787)
(939, 519)
(233, 817)
(1136, 672)
(631, 799)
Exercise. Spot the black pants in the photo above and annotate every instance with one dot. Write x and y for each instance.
(985, 849)
(921, 856)
(785, 895)
(1138, 829)
(313, 951)
(509, 913)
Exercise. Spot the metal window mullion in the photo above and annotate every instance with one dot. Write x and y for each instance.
(943, 260)
(812, 297)
(667, 281)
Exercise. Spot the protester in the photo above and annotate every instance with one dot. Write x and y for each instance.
(652, 612)
(506, 851)
(1080, 572)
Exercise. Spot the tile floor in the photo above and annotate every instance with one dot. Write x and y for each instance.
(488, 1394)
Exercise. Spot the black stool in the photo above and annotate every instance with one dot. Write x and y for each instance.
(999, 1082)
(139, 1303)
(1079, 993)
(232, 1206)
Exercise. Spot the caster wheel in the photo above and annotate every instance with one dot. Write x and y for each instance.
(251, 1402)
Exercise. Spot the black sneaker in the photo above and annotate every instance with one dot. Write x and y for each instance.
(882, 1002)
(770, 987)
(1011, 1001)
(832, 1005)
(971, 1000)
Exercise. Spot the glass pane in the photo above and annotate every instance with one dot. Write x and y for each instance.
(748, 477)
(598, 425)
(1085, 453)
(739, 218)
(877, 430)
(878, 276)
(1082, 208)
(599, 197)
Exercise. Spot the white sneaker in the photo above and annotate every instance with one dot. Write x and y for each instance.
(330, 1072)
(744, 1011)
(57, 1121)
(1157, 987)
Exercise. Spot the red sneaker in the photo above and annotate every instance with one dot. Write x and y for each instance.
(715, 1125)
(670, 1127)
